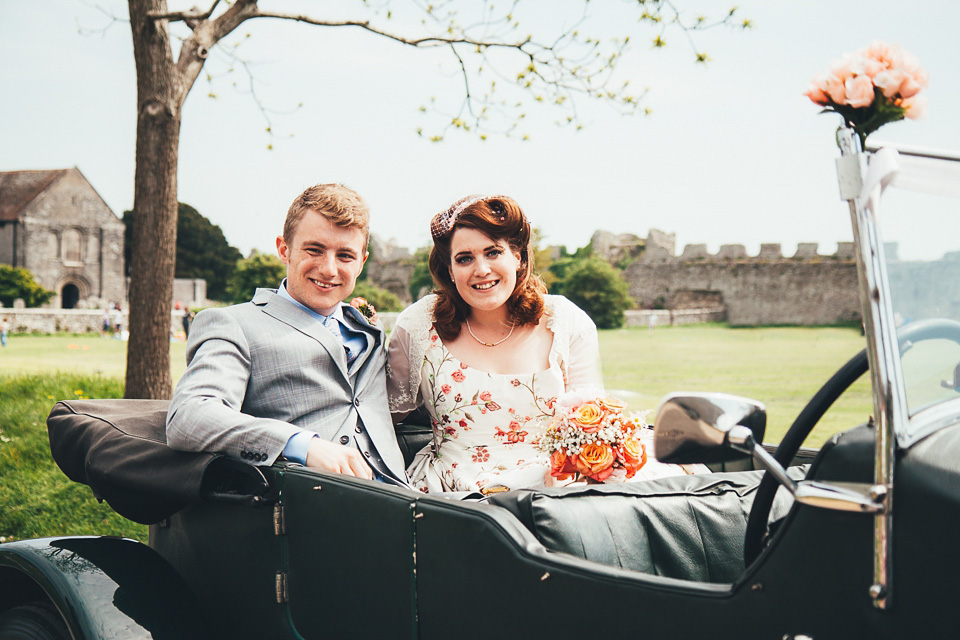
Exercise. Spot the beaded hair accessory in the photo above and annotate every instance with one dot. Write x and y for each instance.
(443, 222)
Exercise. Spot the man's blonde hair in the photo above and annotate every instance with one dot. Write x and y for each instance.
(339, 204)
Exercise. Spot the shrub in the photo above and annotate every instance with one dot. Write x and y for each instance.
(597, 288)
(421, 282)
(17, 282)
(259, 270)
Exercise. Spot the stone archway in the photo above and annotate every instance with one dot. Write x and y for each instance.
(69, 296)
(71, 291)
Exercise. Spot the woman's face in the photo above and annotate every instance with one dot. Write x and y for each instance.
(484, 270)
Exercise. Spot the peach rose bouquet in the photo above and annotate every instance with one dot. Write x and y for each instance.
(871, 87)
(592, 438)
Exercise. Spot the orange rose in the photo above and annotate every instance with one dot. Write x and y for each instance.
(633, 455)
(589, 414)
(596, 461)
(561, 466)
(615, 405)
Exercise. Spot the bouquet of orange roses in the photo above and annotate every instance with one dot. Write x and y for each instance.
(593, 439)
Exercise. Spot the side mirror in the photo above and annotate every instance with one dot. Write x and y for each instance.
(696, 427)
(715, 427)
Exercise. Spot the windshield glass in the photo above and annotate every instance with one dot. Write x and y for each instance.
(922, 251)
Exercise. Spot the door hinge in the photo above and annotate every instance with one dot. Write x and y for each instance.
(279, 520)
(281, 586)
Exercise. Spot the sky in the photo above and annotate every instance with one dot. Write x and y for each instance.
(732, 152)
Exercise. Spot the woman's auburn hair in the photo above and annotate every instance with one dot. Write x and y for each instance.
(499, 218)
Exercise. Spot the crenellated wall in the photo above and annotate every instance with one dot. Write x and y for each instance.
(769, 288)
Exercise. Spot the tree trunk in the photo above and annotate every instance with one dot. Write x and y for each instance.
(160, 99)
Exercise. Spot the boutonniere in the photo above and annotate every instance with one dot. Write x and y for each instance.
(365, 308)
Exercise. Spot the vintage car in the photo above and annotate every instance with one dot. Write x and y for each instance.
(853, 540)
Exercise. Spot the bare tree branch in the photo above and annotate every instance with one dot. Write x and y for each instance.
(193, 14)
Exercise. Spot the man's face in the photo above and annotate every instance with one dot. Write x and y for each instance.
(323, 262)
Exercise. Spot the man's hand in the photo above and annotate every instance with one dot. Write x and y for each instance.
(331, 456)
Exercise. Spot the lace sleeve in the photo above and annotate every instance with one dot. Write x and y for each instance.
(408, 344)
(576, 343)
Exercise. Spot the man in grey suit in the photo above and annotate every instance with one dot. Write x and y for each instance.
(295, 372)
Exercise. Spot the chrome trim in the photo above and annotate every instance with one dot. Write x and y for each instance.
(889, 399)
(932, 419)
(839, 496)
(842, 496)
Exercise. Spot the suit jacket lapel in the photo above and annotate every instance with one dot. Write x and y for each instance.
(292, 315)
(374, 337)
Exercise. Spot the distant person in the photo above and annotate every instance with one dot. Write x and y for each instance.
(4, 331)
(116, 318)
(186, 320)
(295, 372)
(105, 324)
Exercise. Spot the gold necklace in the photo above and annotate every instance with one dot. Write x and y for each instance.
(490, 344)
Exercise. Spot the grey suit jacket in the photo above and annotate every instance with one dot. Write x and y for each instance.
(259, 372)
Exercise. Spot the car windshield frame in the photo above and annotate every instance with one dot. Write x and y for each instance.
(916, 193)
(863, 178)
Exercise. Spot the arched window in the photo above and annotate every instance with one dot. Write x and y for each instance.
(72, 240)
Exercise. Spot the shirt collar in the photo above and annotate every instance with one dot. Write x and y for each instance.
(283, 293)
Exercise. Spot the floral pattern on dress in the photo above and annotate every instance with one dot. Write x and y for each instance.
(484, 424)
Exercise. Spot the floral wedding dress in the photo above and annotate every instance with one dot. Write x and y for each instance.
(484, 424)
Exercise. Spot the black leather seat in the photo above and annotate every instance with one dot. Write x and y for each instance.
(686, 527)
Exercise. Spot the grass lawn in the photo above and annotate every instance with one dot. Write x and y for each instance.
(781, 367)
(88, 354)
(38, 499)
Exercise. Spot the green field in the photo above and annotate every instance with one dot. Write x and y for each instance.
(86, 353)
(781, 367)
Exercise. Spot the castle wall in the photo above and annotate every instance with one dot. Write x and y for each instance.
(806, 289)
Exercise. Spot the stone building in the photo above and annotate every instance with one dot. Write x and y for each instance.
(57, 226)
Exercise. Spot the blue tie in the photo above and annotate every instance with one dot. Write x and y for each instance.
(336, 329)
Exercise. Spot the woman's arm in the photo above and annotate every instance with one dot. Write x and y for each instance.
(403, 382)
(583, 366)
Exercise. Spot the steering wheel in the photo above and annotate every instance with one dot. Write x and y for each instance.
(811, 414)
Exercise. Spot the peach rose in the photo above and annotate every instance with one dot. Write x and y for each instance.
(859, 90)
(834, 88)
(911, 86)
(870, 67)
(845, 68)
(916, 107)
(561, 467)
(816, 91)
(889, 82)
(615, 405)
(588, 414)
(596, 461)
(878, 50)
(633, 455)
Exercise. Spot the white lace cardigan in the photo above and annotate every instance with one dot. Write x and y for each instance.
(575, 347)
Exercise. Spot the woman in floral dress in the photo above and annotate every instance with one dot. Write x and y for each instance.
(488, 355)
